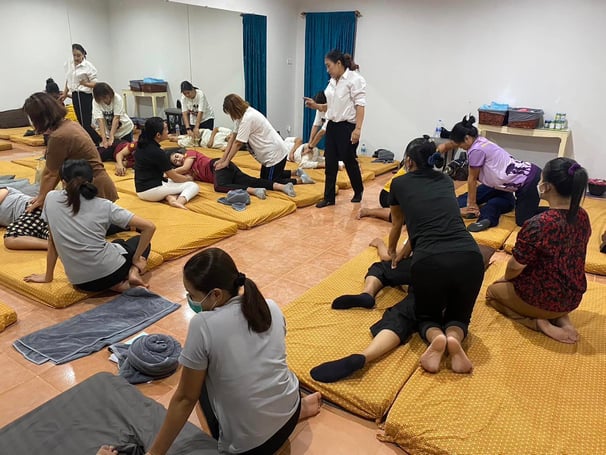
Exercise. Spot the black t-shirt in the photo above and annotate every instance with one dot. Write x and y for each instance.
(432, 214)
(151, 163)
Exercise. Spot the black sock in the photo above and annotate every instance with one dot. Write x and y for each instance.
(338, 369)
(344, 302)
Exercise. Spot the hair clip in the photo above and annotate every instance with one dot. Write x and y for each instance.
(573, 168)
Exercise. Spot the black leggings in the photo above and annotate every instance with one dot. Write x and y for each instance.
(339, 147)
(83, 105)
(271, 446)
(109, 281)
(276, 173)
(446, 287)
(207, 125)
(232, 178)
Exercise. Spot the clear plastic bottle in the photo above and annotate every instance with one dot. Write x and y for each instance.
(363, 150)
(177, 129)
(438, 129)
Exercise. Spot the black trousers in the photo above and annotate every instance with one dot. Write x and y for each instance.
(446, 287)
(276, 173)
(232, 178)
(109, 281)
(527, 197)
(207, 125)
(269, 447)
(83, 105)
(339, 147)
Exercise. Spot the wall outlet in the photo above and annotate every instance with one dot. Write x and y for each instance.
(289, 61)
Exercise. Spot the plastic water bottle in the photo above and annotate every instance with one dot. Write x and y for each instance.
(177, 129)
(438, 129)
(363, 150)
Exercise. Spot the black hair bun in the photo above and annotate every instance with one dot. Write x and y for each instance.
(50, 80)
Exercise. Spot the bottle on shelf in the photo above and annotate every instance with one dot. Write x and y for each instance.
(363, 150)
(177, 129)
(438, 131)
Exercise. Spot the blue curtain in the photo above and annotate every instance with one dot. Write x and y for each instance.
(323, 33)
(255, 60)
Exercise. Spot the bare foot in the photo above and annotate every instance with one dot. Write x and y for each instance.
(362, 213)
(174, 202)
(376, 242)
(310, 405)
(121, 287)
(565, 323)
(431, 358)
(134, 278)
(557, 333)
(459, 362)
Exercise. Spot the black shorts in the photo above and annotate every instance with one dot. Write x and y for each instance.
(391, 277)
(400, 319)
(28, 225)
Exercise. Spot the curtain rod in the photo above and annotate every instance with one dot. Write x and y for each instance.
(358, 13)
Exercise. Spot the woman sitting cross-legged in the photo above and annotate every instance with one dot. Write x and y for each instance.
(202, 168)
(151, 164)
(234, 364)
(78, 221)
(545, 279)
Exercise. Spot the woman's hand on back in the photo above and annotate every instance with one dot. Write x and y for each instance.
(34, 204)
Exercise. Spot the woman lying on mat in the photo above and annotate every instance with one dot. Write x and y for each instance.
(122, 152)
(151, 164)
(264, 143)
(202, 168)
(497, 170)
(66, 141)
(24, 230)
(78, 222)
(234, 364)
(217, 138)
(545, 279)
(397, 324)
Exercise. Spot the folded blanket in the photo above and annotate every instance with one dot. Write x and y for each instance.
(91, 331)
(149, 357)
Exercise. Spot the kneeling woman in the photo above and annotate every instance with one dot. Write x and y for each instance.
(234, 363)
(151, 164)
(447, 267)
(78, 222)
(545, 279)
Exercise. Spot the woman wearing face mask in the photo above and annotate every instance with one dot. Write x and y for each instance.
(234, 363)
(501, 176)
(80, 79)
(545, 279)
(345, 106)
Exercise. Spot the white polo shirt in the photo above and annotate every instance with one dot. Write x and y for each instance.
(264, 142)
(109, 111)
(344, 95)
(83, 72)
(199, 103)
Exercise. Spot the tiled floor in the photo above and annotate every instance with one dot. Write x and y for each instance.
(284, 258)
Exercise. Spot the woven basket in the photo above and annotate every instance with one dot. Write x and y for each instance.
(493, 118)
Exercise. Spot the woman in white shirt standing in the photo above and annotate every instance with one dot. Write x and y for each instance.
(108, 110)
(81, 77)
(197, 113)
(345, 104)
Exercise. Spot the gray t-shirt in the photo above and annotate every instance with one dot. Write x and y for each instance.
(251, 389)
(13, 206)
(80, 239)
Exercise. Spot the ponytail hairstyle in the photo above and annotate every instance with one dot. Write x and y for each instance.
(78, 178)
(234, 106)
(214, 268)
(52, 88)
(152, 127)
(464, 128)
(44, 111)
(102, 90)
(570, 180)
(79, 47)
(422, 151)
(346, 59)
(320, 97)
(187, 86)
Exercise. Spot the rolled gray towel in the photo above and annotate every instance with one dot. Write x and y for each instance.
(149, 357)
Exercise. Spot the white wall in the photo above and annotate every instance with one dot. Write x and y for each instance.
(281, 46)
(37, 38)
(426, 60)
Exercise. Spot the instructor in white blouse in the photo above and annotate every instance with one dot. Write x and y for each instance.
(345, 104)
(80, 78)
